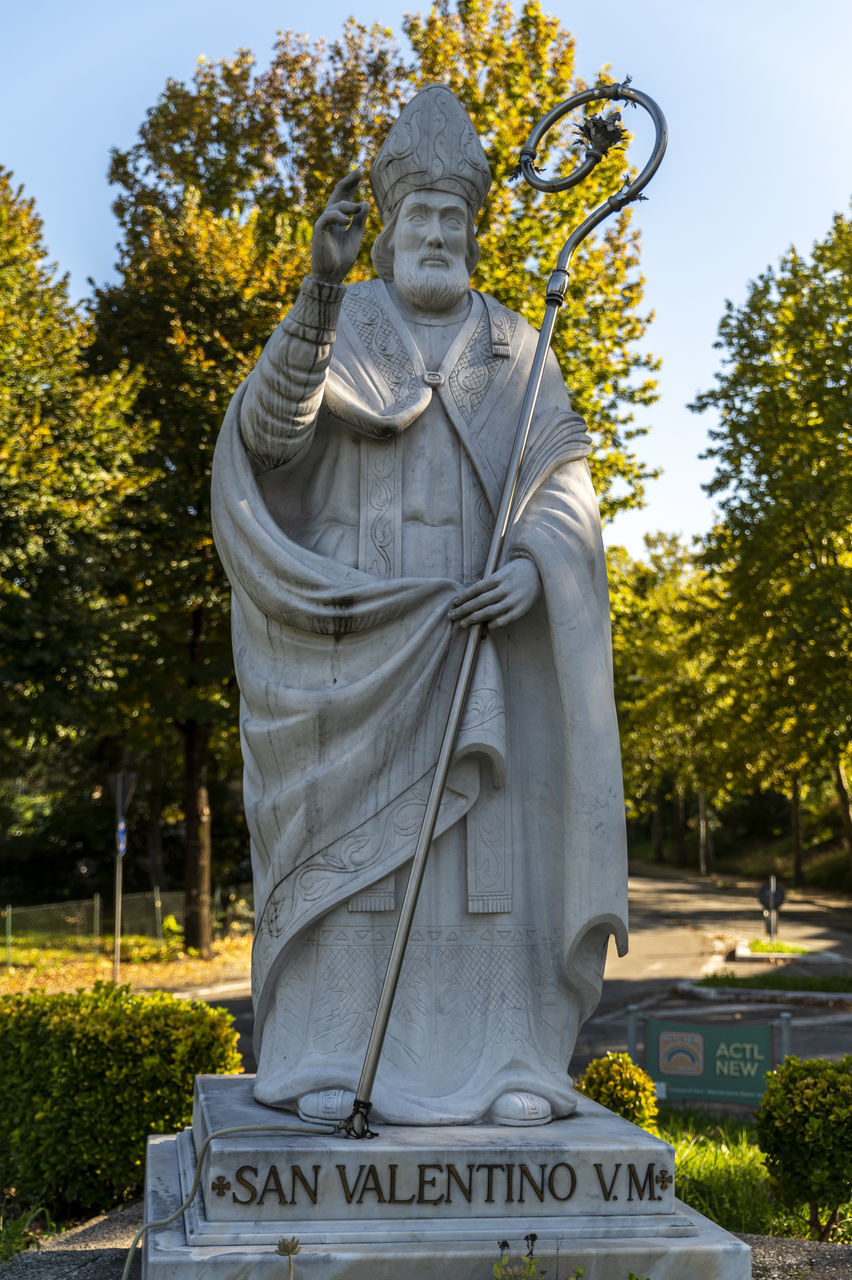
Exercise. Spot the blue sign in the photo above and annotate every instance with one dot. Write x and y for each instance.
(121, 838)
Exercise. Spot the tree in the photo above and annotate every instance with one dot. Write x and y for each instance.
(783, 547)
(66, 452)
(216, 204)
(680, 725)
(68, 441)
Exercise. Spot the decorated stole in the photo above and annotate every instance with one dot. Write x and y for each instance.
(472, 365)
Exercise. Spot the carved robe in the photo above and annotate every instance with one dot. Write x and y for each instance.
(354, 491)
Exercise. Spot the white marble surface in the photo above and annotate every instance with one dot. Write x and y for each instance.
(466, 1250)
(591, 1165)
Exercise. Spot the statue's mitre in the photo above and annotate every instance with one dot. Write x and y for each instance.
(431, 145)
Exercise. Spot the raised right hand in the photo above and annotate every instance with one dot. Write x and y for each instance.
(338, 232)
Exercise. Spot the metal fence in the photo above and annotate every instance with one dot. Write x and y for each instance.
(77, 924)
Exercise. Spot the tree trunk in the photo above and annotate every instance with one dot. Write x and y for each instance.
(657, 831)
(680, 828)
(154, 834)
(198, 846)
(703, 831)
(842, 786)
(796, 829)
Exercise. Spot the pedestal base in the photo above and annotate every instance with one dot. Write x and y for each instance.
(421, 1203)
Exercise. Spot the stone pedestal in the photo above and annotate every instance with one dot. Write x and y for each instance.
(420, 1203)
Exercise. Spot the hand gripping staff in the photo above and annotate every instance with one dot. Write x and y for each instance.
(600, 134)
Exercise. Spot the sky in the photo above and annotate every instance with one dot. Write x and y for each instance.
(756, 94)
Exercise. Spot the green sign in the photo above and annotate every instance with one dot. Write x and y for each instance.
(719, 1062)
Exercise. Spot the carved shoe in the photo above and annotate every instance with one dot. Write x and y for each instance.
(519, 1108)
(326, 1105)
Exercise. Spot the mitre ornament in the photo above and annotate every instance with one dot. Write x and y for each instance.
(432, 145)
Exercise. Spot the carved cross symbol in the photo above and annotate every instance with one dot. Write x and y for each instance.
(664, 1179)
(221, 1185)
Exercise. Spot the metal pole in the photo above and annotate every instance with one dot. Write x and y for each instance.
(357, 1124)
(158, 913)
(122, 784)
(96, 924)
(8, 935)
(785, 1023)
(119, 869)
(773, 910)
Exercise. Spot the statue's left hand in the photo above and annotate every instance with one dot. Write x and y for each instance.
(501, 598)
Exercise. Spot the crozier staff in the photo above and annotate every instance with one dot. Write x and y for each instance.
(355, 485)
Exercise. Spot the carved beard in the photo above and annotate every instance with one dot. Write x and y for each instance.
(430, 288)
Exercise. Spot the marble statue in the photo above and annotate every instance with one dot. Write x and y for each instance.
(355, 483)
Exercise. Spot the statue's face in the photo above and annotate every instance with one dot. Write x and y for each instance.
(429, 244)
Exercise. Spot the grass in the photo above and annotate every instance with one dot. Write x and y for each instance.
(766, 946)
(30, 951)
(145, 965)
(20, 1229)
(779, 980)
(720, 1171)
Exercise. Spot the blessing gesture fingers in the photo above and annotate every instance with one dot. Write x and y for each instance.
(501, 598)
(338, 232)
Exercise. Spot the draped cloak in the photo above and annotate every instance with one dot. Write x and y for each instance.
(346, 663)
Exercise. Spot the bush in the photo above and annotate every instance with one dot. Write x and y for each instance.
(616, 1082)
(804, 1127)
(87, 1077)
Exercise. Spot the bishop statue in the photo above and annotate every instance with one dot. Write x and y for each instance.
(356, 480)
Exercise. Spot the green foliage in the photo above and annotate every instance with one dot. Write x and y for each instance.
(67, 440)
(86, 1079)
(19, 1228)
(720, 1170)
(678, 732)
(69, 459)
(44, 952)
(617, 1083)
(782, 552)
(779, 980)
(762, 946)
(804, 1127)
(527, 1268)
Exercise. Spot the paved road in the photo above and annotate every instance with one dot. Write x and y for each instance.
(680, 929)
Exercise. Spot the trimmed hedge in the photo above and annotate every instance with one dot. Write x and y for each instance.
(804, 1127)
(87, 1077)
(616, 1082)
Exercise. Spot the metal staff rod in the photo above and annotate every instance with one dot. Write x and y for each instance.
(600, 135)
